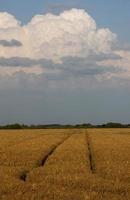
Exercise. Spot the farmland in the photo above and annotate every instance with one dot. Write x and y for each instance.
(65, 164)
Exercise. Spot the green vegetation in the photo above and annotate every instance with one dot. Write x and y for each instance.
(60, 126)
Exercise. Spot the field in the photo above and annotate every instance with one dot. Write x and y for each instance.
(65, 164)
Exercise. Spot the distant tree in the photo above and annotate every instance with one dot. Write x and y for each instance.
(13, 126)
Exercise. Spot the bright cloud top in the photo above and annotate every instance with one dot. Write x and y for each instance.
(72, 33)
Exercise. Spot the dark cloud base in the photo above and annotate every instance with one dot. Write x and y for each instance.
(11, 43)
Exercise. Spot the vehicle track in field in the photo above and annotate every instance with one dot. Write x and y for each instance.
(90, 154)
(41, 163)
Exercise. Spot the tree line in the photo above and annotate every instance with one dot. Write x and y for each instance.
(58, 126)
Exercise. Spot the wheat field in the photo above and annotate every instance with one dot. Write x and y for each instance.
(65, 164)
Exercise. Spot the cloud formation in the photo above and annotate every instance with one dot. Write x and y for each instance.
(8, 21)
(60, 47)
(71, 33)
(11, 43)
(28, 62)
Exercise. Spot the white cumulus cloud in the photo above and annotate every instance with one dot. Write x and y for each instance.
(70, 43)
(8, 21)
(71, 33)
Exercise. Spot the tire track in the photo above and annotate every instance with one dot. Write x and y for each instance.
(42, 162)
(90, 154)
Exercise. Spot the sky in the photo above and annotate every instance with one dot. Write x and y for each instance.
(64, 62)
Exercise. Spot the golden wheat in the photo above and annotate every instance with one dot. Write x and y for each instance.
(75, 164)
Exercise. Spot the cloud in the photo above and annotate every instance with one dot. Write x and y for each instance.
(11, 43)
(71, 33)
(87, 67)
(8, 21)
(123, 63)
(60, 47)
(18, 62)
(75, 67)
(28, 62)
(69, 67)
(121, 47)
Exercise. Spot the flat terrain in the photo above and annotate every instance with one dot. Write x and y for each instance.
(65, 164)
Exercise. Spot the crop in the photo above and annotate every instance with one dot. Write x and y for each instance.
(65, 164)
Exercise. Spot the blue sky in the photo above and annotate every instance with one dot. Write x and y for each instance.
(73, 69)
